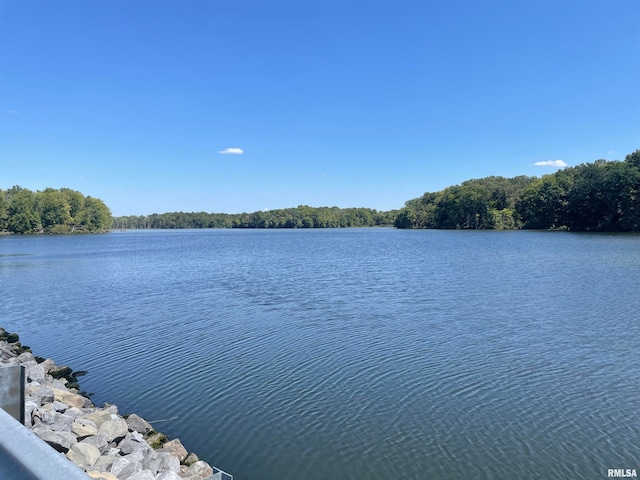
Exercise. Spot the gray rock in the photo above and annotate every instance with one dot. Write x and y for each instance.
(61, 422)
(138, 424)
(98, 417)
(169, 475)
(175, 448)
(158, 462)
(115, 452)
(191, 459)
(46, 415)
(152, 462)
(47, 407)
(59, 406)
(29, 407)
(133, 442)
(73, 412)
(104, 463)
(49, 365)
(84, 428)
(43, 394)
(61, 441)
(27, 357)
(35, 373)
(199, 469)
(83, 454)
(169, 462)
(98, 441)
(143, 475)
(136, 456)
(29, 398)
(60, 383)
(113, 429)
(5, 352)
(123, 468)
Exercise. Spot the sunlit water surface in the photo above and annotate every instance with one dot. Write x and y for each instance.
(350, 354)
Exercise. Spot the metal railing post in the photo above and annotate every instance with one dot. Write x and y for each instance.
(12, 391)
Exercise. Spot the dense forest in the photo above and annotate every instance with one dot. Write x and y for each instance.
(51, 211)
(301, 217)
(599, 196)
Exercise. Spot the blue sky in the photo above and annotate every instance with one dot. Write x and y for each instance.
(354, 103)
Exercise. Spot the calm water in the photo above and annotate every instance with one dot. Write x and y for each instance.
(351, 354)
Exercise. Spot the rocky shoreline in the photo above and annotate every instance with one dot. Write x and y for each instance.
(99, 440)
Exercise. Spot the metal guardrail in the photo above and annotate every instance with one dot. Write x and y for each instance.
(24, 456)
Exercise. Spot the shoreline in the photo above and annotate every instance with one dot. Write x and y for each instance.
(103, 443)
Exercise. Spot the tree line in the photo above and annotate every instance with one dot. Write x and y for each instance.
(302, 216)
(598, 196)
(23, 211)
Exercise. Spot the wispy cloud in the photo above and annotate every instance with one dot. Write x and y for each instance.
(231, 151)
(551, 163)
(14, 112)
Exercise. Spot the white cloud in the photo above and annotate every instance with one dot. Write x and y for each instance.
(231, 151)
(551, 163)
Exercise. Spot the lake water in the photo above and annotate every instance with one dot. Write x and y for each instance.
(350, 354)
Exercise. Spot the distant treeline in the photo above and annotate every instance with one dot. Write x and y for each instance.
(301, 217)
(599, 196)
(51, 211)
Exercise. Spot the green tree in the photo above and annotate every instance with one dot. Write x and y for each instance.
(4, 211)
(75, 200)
(543, 204)
(95, 216)
(604, 197)
(23, 218)
(406, 218)
(633, 159)
(53, 209)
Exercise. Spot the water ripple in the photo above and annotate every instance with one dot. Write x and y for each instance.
(352, 354)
